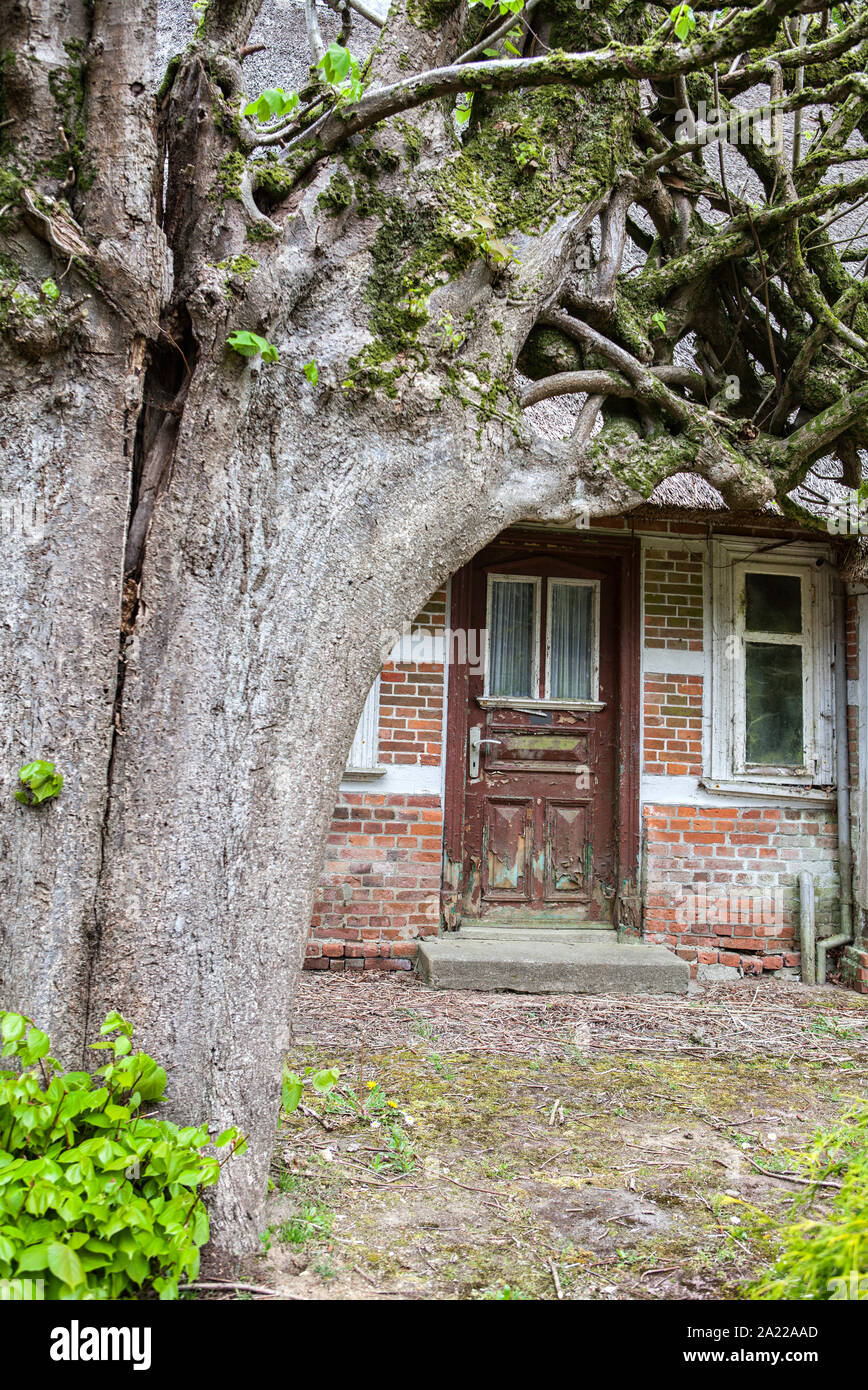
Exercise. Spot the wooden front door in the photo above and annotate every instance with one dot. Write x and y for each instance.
(541, 752)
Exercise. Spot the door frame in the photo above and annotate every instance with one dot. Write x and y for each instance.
(568, 547)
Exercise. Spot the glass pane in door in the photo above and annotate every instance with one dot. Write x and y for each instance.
(571, 641)
(512, 637)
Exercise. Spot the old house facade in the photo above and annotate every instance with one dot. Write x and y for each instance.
(641, 731)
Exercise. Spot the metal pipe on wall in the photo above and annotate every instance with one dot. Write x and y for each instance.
(842, 758)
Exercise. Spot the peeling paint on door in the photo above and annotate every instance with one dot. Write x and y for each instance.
(540, 818)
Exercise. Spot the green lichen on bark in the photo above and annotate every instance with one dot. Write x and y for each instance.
(404, 272)
(621, 449)
(32, 321)
(489, 396)
(67, 86)
(529, 158)
(227, 185)
(412, 137)
(338, 196)
(533, 156)
(10, 191)
(430, 14)
(547, 353)
(576, 28)
(240, 271)
(267, 174)
(271, 177)
(261, 231)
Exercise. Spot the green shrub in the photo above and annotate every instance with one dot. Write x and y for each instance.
(98, 1199)
(825, 1255)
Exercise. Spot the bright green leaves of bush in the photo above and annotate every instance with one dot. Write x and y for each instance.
(684, 21)
(64, 1262)
(273, 102)
(823, 1247)
(293, 1086)
(335, 63)
(97, 1199)
(496, 251)
(251, 345)
(134, 1073)
(40, 781)
(342, 73)
(504, 7)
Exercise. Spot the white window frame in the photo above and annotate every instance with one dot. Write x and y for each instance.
(513, 579)
(362, 764)
(594, 585)
(733, 558)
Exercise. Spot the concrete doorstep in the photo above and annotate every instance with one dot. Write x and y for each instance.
(549, 963)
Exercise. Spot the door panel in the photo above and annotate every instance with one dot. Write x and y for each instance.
(568, 851)
(507, 839)
(540, 817)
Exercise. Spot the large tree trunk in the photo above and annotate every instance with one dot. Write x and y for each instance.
(294, 539)
(227, 547)
(72, 371)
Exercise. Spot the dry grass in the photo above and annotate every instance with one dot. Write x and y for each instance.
(565, 1147)
(746, 1018)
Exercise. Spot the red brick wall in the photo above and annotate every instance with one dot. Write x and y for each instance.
(673, 724)
(411, 698)
(411, 714)
(854, 967)
(380, 889)
(853, 751)
(673, 599)
(734, 856)
(381, 883)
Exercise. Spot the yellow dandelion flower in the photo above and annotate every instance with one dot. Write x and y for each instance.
(393, 1103)
(372, 1085)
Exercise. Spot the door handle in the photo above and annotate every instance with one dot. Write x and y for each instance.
(474, 743)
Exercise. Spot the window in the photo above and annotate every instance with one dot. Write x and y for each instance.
(513, 636)
(362, 762)
(772, 698)
(571, 645)
(566, 671)
(775, 696)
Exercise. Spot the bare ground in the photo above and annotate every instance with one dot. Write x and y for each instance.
(562, 1146)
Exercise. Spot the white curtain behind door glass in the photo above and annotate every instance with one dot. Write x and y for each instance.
(572, 636)
(511, 638)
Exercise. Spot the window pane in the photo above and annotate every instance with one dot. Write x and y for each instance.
(773, 603)
(511, 638)
(571, 631)
(773, 699)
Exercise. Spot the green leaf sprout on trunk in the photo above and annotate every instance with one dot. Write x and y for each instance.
(41, 782)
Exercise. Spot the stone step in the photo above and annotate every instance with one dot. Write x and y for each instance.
(531, 965)
(531, 921)
(577, 936)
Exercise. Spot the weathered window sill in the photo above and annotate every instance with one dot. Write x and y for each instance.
(780, 790)
(515, 702)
